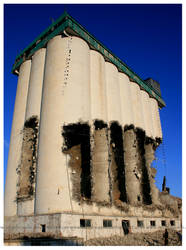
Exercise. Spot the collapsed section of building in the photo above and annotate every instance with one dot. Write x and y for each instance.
(84, 135)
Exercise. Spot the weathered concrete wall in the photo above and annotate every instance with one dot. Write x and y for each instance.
(147, 114)
(149, 157)
(155, 118)
(137, 106)
(117, 164)
(68, 225)
(66, 84)
(51, 161)
(131, 169)
(112, 92)
(10, 206)
(98, 87)
(125, 100)
(100, 163)
(35, 84)
(73, 88)
(27, 169)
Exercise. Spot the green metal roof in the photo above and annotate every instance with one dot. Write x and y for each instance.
(66, 22)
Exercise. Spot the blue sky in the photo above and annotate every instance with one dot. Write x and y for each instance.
(146, 37)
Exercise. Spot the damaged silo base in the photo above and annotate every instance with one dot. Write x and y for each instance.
(75, 228)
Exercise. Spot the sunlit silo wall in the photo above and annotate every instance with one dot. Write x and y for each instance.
(83, 132)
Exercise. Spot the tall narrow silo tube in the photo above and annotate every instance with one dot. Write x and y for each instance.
(30, 135)
(10, 206)
(112, 92)
(156, 118)
(125, 99)
(65, 101)
(146, 106)
(137, 106)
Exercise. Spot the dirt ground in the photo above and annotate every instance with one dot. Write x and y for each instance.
(138, 239)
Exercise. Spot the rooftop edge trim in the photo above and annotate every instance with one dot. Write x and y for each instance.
(66, 21)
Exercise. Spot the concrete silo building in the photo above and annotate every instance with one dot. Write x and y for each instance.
(84, 133)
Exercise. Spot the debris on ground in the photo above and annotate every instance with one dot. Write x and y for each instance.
(138, 239)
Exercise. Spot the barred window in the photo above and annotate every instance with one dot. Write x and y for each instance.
(85, 223)
(152, 223)
(107, 223)
(140, 223)
(172, 222)
(163, 223)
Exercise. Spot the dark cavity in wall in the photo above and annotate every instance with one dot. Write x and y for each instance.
(145, 182)
(116, 137)
(27, 169)
(98, 124)
(74, 135)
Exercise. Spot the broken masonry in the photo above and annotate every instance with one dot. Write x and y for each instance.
(111, 164)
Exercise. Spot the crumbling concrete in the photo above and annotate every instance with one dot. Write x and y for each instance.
(77, 145)
(144, 197)
(132, 174)
(100, 163)
(118, 166)
(149, 157)
(27, 169)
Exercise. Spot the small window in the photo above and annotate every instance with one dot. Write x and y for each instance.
(43, 228)
(85, 223)
(163, 223)
(152, 223)
(140, 223)
(172, 222)
(107, 223)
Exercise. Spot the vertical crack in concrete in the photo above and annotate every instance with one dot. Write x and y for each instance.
(116, 136)
(27, 168)
(77, 145)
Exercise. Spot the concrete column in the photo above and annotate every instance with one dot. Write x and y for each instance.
(10, 208)
(98, 87)
(65, 99)
(156, 118)
(99, 145)
(35, 84)
(112, 92)
(26, 207)
(146, 107)
(149, 157)
(137, 106)
(125, 99)
(100, 163)
(132, 179)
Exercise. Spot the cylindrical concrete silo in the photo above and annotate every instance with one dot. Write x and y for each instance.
(146, 106)
(30, 132)
(65, 99)
(137, 106)
(125, 100)
(156, 118)
(98, 87)
(100, 152)
(112, 92)
(133, 185)
(16, 139)
(35, 84)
